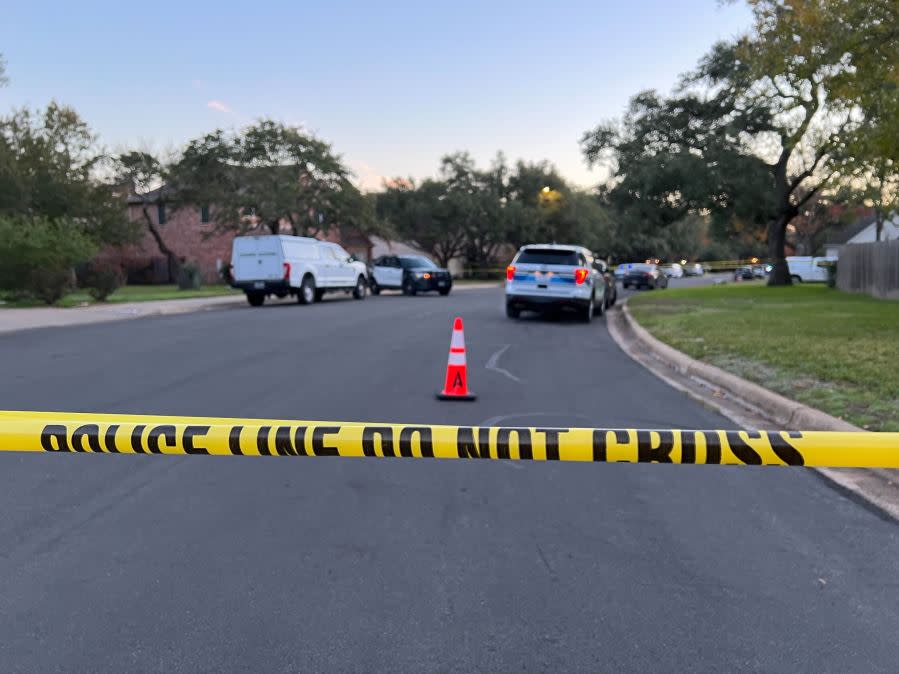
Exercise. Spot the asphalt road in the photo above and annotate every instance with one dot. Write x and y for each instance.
(140, 563)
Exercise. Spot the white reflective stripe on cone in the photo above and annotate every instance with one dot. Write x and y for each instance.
(458, 340)
(456, 359)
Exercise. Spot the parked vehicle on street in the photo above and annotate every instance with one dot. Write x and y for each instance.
(641, 275)
(673, 270)
(545, 277)
(622, 269)
(807, 269)
(410, 273)
(281, 265)
(758, 270)
(611, 288)
(744, 274)
(694, 269)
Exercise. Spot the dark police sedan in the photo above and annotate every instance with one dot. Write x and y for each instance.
(410, 273)
(645, 276)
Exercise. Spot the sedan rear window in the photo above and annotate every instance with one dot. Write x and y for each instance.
(547, 256)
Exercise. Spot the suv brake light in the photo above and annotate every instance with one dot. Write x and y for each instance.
(510, 272)
(287, 270)
(580, 275)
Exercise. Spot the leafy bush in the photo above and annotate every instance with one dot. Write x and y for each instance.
(37, 256)
(189, 276)
(102, 279)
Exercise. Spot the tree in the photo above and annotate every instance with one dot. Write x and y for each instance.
(143, 174)
(51, 168)
(268, 175)
(423, 215)
(784, 99)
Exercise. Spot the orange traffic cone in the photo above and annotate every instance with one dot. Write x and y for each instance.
(456, 387)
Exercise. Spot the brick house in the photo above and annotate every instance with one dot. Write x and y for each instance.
(191, 234)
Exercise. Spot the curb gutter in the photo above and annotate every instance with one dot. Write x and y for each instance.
(745, 402)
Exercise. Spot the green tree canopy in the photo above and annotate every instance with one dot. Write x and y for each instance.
(266, 175)
(757, 130)
(52, 168)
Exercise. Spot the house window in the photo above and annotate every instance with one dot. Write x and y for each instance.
(160, 213)
(204, 214)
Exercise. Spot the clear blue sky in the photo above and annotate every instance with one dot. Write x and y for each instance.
(392, 85)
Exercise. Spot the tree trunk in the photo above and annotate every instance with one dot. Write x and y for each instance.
(878, 228)
(174, 263)
(777, 234)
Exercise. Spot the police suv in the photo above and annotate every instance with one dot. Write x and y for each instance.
(552, 276)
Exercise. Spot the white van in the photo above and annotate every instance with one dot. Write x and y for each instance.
(805, 269)
(293, 265)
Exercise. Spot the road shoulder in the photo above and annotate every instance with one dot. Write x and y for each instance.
(751, 406)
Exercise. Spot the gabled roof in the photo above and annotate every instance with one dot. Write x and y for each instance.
(844, 235)
(151, 197)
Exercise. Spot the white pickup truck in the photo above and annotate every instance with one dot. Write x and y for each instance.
(294, 265)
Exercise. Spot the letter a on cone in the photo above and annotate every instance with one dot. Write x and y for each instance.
(456, 387)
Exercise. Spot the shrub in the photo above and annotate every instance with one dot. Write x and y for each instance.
(102, 279)
(189, 276)
(37, 255)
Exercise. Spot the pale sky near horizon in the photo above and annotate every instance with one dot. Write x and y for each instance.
(392, 86)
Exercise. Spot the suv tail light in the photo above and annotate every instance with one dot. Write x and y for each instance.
(510, 272)
(287, 270)
(580, 275)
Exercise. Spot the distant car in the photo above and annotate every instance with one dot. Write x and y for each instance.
(758, 271)
(552, 276)
(293, 265)
(410, 273)
(695, 269)
(744, 274)
(622, 269)
(611, 288)
(645, 276)
(673, 270)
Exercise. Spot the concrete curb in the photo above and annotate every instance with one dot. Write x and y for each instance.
(876, 488)
(785, 412)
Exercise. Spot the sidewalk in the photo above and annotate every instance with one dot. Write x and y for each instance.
(12, 320)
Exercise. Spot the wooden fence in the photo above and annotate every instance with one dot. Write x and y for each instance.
(871, 268)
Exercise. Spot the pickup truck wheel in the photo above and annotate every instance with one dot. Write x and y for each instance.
(308, 293)
(359, 290)
(256, 299)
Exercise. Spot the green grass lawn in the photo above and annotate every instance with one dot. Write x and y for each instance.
(128, 294)
(838, 352)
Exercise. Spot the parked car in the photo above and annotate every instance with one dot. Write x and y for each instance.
(642, 275)
(293, 265)
(611, 288)
(744, 274)
(410, 273)
(622, 269)
(758, 271)
(551, 276)
(695, 269)
(673, 270)
(805, 269)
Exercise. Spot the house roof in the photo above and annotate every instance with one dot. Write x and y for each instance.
(150, 197)
(842, 236)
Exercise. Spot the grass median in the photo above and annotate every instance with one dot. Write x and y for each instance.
(141, 293)
(838, 352)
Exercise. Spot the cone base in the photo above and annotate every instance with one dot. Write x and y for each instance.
(462, 396)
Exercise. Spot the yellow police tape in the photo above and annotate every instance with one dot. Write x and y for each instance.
(129, 434)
